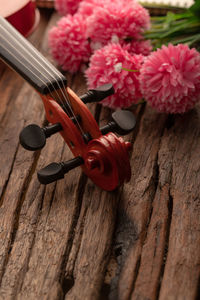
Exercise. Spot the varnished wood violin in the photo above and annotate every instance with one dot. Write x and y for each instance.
(103, 156)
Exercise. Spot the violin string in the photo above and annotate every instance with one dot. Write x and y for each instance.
(27, 67)
(52, 69)
(55, 71)
(31, 48)
(30, 63)
(36, 77)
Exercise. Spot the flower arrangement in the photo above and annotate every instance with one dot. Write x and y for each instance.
(110, 37)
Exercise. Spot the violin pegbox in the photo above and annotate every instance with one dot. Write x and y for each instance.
(103, 156)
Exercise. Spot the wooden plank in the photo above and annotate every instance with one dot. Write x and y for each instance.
(135, 207)
(145, 230)
(91, 246)
(182, 271)
(176, 142)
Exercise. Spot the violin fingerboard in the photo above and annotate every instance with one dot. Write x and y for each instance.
(26, 60)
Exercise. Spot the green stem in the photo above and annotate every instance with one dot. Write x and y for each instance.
(129, 70)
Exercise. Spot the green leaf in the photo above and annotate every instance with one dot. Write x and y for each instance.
(195, 8)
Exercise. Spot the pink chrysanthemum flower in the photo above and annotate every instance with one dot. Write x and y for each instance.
(170, 78)
(106, 67)
(143, 47)
(65, 7)
(118, 19)
(87, 7)
(68, 43)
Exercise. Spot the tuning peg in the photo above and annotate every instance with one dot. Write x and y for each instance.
(98, 94)
(123, 122)
(56, 171)
(33, 137)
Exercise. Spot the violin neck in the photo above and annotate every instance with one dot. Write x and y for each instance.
(20, 55)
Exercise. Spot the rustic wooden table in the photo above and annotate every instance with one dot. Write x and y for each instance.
(71, 240)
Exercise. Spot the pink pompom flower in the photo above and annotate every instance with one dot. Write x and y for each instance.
(68, 43)
(170, 78)
(106, 66)
(87, 7)
(118, 19)
(65, 7)
(143, 47)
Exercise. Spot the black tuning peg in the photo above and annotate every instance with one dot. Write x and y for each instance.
(33, 137)
(56, 171)
(123, 122)
(98, 94)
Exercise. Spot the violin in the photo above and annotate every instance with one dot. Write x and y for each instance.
(102, 155)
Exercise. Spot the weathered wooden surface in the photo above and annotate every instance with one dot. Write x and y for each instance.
(71, 240)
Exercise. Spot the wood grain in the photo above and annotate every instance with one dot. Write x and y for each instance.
(71, 240)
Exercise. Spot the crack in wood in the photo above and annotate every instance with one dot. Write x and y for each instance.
(10, 88)
(7, 180)
(154, 182)
(170, 121)
(136, 272)
(67, 285)
(170, 209)
(69, 273)
(197, 297)
(123, 240)
(105, 291)
(25, 266)
(20, 200)
(139, 111)
(67, 282)
(2, 68)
